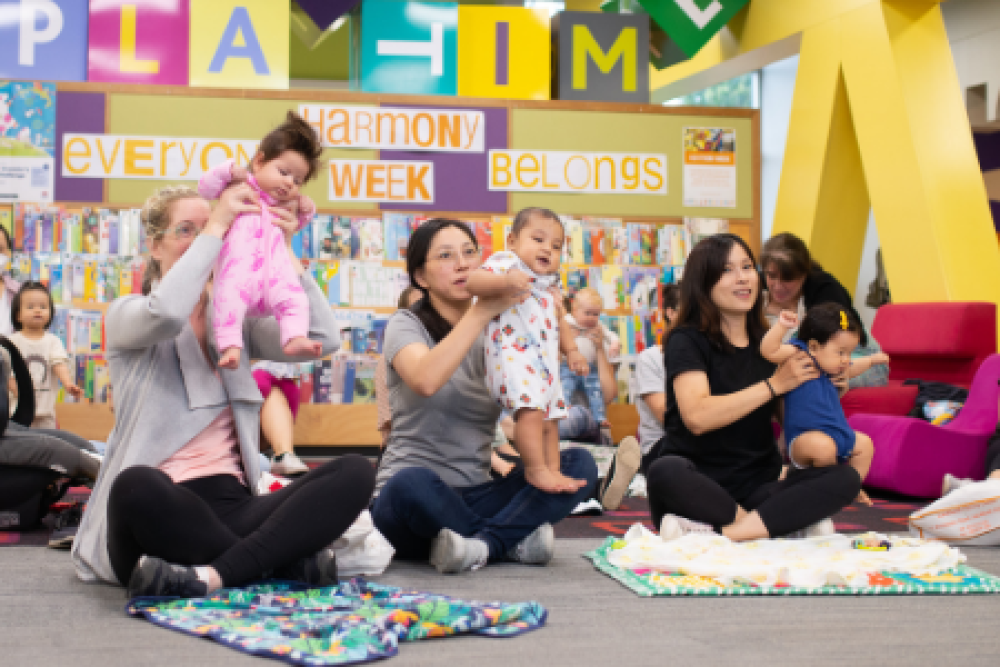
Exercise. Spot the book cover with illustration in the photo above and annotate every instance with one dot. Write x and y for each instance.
(619, 246)
(339, 241)
(90, 280)
(483, 229)
(370, 244)
(364, 381)
(647, 244)
(91, 232)
(502, 225)
(27, 118)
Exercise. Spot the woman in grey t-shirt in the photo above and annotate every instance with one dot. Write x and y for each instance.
(435, 497)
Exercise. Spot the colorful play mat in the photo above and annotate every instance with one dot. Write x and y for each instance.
(707, 565)
(355, 622)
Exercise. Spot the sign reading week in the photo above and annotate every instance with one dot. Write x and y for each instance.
(416, 47)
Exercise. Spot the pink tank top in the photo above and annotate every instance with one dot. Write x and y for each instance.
(214, 451)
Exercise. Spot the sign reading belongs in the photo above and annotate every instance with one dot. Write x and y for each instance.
(442, 130)
(122, 156)
(570, 171)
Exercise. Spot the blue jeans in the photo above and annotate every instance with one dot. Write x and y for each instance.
(415, 505)
(590, 384)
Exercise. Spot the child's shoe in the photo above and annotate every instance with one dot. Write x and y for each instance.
(673, 526)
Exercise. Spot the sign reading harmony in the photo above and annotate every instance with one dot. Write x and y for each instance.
(571, 171)
(122, 156)
(451, 130)
(382, 180)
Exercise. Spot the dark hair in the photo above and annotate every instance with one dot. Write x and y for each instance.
(6, 236)
(671, 297)
(524, 215)
(789, 255)
(702, 272)
(416, 258)
(15, 307)
(823, 321)
(404, 297)
(295, 134)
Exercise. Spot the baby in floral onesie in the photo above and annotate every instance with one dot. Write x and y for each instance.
(523, 343)
(254, 273)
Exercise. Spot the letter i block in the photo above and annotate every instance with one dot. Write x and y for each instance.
(409, 47)
(139, 41)
(504, 52)
(601, 56)
(43, 40)
(240, 43)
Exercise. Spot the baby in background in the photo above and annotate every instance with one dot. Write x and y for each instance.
(523, 343)
(816, 429)
(584, 320)
(254, 273)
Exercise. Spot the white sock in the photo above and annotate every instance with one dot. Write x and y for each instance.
(477, 552)
(204, 577)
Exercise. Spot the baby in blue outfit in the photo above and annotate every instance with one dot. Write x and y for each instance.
(816, 429)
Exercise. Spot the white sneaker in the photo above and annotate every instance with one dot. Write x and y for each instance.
(818, 529)
(951, 483)
(624, 466)
(673, 526)
(288, 465)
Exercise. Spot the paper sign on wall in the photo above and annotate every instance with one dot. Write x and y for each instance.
(710, 166)
(443, 130)
(381, 180)
(125, 156)
(570, 171)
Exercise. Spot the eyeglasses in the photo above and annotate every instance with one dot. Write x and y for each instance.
(452, 258)
(182, 232)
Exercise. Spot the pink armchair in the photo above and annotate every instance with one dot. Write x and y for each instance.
(912, 455)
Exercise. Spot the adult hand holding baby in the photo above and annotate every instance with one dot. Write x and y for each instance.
(232, 202)
(518, 284)
(792, 372)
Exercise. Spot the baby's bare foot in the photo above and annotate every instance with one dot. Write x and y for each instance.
(569, 482)
(544, 480)
(230, 358)
(303, 347)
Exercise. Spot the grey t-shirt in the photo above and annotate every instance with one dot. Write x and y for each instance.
(650, 378)
(449, 432)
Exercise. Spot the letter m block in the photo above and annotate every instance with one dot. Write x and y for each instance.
(601, 57)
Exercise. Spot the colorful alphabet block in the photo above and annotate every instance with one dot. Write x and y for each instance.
(239, 43)
(409, 47)
(139, 41)
(601, 56)
(504, 52)
(43, 39)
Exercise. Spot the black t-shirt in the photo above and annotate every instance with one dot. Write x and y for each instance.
(743, 455)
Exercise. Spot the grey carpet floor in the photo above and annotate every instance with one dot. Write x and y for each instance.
(47, 617)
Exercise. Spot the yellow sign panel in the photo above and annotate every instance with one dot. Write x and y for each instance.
(504, 52)
(239, 43)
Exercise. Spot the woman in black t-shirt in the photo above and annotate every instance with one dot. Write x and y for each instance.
(722, 470)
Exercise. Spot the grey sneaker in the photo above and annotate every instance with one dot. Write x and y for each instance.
(537, 548)
(673, 526)
(318, 570)
(155, 577)
(288, 465)
(624, 466)
(951, 483)
(451, 553)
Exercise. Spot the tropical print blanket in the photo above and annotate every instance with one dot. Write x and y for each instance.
(355, 622)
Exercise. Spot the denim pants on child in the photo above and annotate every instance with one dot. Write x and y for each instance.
(590, 384)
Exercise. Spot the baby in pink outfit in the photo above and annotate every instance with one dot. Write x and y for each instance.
(254, 273)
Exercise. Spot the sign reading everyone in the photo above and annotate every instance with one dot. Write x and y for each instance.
(121, 156)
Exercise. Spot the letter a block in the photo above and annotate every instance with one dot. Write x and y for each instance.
(601, 56)
(139, 41)
(409, 47)
(43, 39)
(504, 52)
(240, 44)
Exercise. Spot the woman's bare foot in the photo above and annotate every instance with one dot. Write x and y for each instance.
(545, 480)
(230, 358)
(864, 499)
(302, 347)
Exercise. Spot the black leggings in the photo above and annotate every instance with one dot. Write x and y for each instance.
(993, 453)
(804, 497)
(216, 521)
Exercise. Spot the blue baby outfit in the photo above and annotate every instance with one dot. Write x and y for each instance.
(815, 406)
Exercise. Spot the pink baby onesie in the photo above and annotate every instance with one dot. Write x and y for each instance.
(254, 273)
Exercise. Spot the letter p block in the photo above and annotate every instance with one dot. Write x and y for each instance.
(602, 57)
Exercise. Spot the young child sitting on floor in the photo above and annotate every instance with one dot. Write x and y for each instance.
(524, 342)
(584, 320)
(254, 271)
(816, 429)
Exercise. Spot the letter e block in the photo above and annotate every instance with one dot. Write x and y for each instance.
(504, 52)
(601, 56)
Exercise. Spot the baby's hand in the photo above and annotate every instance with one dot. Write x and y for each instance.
(614, 350)
(788, 319)
(577, 363)
(74, 391)
(518, 282)
(879, 358)
(239, 174)
(292, 205)
(307, 209)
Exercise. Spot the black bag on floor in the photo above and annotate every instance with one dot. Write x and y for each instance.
(934, 391)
